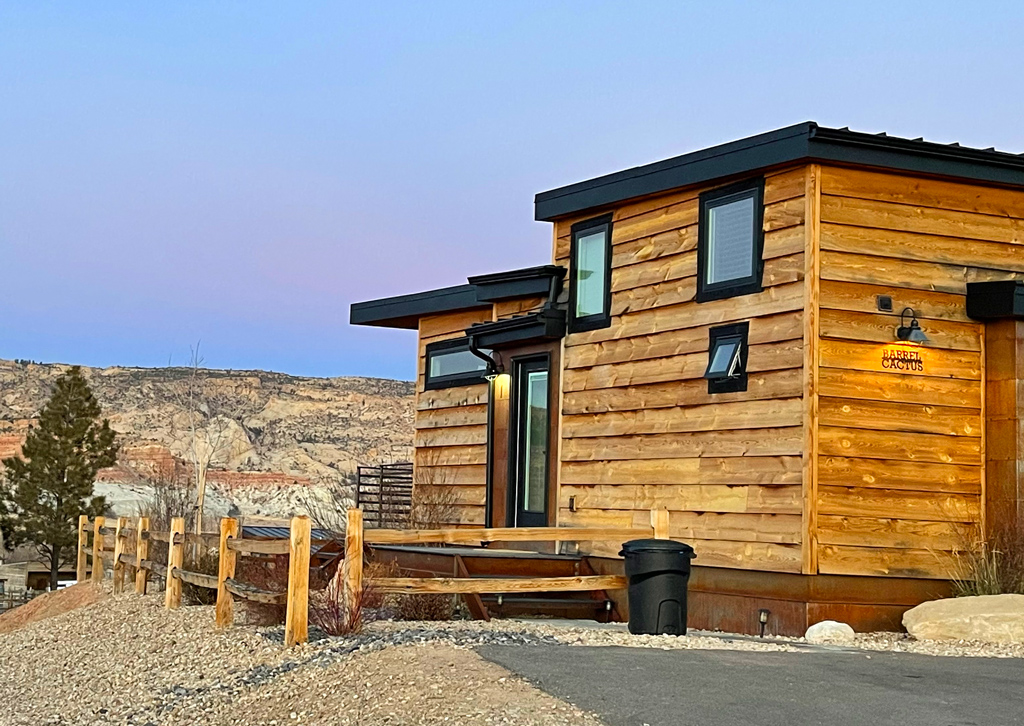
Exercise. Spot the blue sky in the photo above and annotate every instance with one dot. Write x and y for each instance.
(240, 172)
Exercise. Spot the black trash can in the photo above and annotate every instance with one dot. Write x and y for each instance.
(658, 572)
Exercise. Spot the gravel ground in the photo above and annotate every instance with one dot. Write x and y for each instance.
(126, 660)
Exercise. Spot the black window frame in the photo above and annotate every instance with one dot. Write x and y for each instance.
(433, 383)
(753, 283)
(603, 319)
(739, 381)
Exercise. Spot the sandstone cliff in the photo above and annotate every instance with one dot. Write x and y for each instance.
(273, 432)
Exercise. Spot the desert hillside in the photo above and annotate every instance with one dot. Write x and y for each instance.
(274, 432)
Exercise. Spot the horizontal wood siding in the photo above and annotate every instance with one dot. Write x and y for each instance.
(451, 435)
(901, 453)
(639, 429)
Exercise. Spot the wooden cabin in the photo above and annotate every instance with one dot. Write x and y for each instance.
(808, 345)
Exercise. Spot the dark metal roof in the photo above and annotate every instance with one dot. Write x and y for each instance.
(805, 142)
(250, 531)
(405, 311)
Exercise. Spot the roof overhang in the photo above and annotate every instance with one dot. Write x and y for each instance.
(803, 143)
(405, 311)
(995, 300)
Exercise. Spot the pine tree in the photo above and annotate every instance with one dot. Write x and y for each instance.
(43, 492)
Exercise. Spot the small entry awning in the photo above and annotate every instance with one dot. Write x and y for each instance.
(537, 327)
(994, 300)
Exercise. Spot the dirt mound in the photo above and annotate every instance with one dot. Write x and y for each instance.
(50, 605)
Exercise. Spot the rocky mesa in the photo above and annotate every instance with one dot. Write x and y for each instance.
(266, 435)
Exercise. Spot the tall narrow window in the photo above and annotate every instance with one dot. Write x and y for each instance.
(535, 446)
(730, 241)
(590, 275)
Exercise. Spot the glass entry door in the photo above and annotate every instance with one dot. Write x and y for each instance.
(530, 435)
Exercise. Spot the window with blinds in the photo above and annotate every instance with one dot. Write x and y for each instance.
(730, 241)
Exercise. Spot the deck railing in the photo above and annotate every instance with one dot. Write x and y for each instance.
(356, 538)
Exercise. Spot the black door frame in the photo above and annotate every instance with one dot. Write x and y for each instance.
(515, 515)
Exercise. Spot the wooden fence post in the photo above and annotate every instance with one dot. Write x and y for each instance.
(659, 520)
(119, 538)
(141, 553)
(175, 560)
(225, 613)
(97, 549)
(297, 611)
(352, 567)
(82, 563)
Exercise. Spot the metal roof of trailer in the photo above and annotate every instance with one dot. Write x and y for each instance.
(805, 142)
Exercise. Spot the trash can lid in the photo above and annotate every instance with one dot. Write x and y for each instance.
(656, 545)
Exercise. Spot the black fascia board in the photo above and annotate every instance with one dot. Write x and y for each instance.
(802, 143)
(737, 157)
(404, 311)
(843, 146)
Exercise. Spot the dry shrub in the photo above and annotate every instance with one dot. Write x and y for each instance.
(266, 572)
(990, 567)
(434, 506)
(205, 561)
(425, 607)
(399, 605)
(329, 611)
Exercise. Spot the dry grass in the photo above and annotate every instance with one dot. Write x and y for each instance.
(991, 567)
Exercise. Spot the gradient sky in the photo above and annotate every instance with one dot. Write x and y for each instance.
(240, 172)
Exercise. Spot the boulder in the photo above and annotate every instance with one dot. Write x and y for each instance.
(830, 632)
(985, 618)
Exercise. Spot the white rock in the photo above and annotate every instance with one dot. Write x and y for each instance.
(985, 618)
(829, 631)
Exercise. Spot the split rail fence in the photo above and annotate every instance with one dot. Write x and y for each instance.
(93, 555)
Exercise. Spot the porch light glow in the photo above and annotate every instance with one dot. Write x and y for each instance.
(911, 333)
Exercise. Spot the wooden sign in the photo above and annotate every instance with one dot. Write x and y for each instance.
(902, 359)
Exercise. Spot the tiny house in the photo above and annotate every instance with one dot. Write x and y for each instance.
(808, 345)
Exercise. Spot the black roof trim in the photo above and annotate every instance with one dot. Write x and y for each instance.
(803, 142)
(405, 311)
(525, 273)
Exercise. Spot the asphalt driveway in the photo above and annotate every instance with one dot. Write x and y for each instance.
(635, 686)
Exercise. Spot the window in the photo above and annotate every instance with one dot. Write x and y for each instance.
(590, 275)
(730, 241)
(727, 358)
(450, 363)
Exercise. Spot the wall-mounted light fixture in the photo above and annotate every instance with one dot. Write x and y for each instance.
(911, 333)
